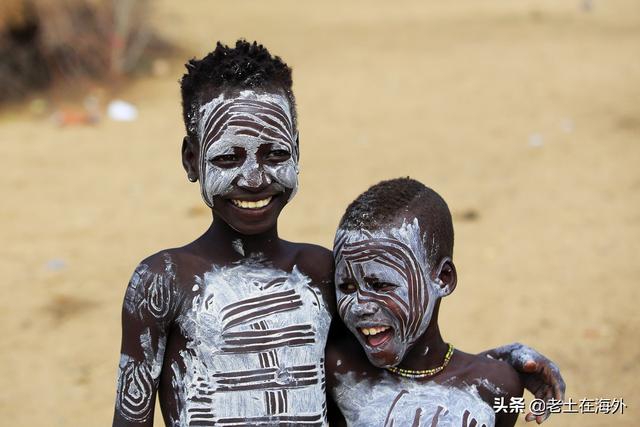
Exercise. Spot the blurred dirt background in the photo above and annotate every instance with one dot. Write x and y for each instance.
(524, 115)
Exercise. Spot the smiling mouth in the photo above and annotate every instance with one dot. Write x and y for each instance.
(251, 204)
(376, 335)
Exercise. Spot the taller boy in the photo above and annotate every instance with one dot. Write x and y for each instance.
(232, 328)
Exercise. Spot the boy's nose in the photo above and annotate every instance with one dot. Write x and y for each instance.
(253, 178)
(365, 309)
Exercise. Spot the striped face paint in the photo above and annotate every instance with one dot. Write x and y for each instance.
(241, 126)
(384, 290)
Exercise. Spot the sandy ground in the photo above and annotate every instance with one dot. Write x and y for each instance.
(524, 115)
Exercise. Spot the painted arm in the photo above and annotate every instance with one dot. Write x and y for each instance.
(145, 312)
(538, 374)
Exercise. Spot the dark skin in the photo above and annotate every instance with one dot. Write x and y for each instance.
(258, 231)
(346, 355)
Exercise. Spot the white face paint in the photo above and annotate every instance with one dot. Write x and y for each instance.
(394, 256)
(246, 122)
(393, 401)
(255, 349)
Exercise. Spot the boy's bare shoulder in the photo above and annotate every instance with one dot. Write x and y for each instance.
(169, 270)
(315, 261)
(153, 291)
(493, 378)
(175, 264)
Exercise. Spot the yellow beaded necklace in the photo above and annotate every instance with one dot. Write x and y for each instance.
(410, 373)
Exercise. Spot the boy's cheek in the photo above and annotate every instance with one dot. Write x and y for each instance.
(217, 182)
(285, 175)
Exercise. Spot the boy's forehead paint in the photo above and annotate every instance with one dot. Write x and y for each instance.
(246, 121)
(408, 233)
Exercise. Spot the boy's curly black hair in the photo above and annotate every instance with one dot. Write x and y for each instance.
(389, 202)
(231, 70)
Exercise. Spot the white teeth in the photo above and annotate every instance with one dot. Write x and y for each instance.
(374, 331)
(246, 204)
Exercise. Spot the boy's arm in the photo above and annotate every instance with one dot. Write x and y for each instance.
(510, 386)
(538, 374)
(148, 304)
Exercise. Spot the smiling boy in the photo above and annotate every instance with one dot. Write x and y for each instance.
(393, 254)
(231, 329)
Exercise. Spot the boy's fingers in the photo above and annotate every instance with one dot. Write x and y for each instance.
(544, 417)
(529, 417)
(553, 377)
(540, 392)
(559, 386)
(558, 389)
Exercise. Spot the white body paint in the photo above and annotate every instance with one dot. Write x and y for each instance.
(137, 380)
(237, 246)
(217, 181)
(150, 294)
(149, 297)
(216, 366)
(401, 402)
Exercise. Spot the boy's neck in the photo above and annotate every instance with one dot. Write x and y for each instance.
(428, 351)
(220, 236)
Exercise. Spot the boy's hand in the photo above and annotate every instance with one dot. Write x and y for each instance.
(542, 378)
(539, 375)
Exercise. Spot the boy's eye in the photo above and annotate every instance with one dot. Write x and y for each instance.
(383, 286)
(225, 160)
(278, 155)
(347, 288)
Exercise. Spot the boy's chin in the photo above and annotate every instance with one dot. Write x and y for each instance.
(385, 358)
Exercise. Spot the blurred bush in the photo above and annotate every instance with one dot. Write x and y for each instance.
(45, 42)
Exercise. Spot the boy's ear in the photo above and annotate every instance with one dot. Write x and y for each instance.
(298, 145)
(446, 276)
(190, 158)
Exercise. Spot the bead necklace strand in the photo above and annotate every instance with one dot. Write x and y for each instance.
(411, 373)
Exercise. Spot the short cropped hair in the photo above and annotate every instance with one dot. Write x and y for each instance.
(229, 70)
(390, 202)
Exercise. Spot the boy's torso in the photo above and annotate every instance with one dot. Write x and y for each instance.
(246, 344)
(369, 396)
(388, 401)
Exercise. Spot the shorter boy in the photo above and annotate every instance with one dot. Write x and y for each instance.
(393, 253)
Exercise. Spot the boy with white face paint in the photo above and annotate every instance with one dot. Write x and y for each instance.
(231, 329)
(393, 256)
